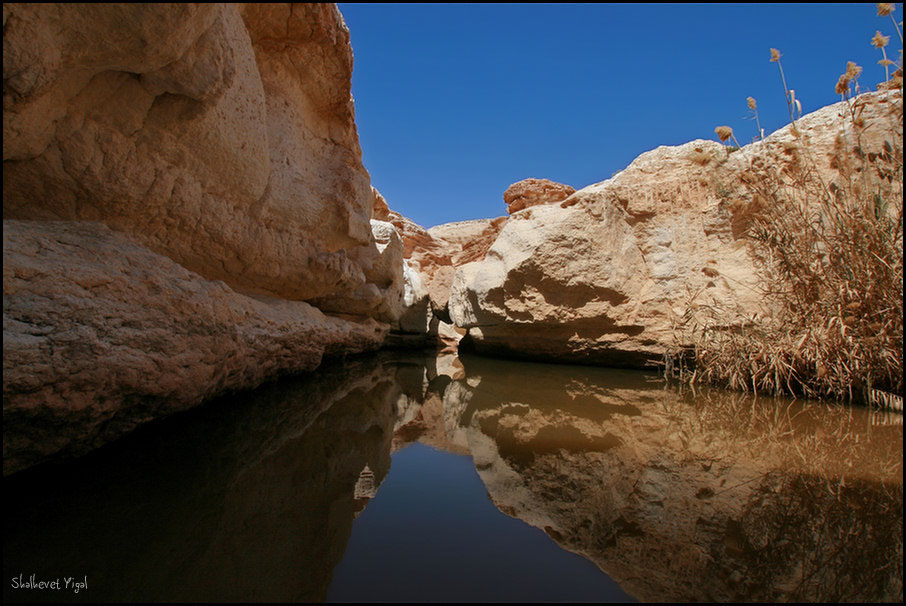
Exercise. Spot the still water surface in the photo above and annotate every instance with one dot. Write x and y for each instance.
(415, 478)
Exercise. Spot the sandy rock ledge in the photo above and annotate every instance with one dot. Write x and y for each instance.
(130, 336)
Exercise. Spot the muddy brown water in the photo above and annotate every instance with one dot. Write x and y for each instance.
(409, 477)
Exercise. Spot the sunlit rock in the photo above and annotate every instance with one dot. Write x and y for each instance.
(532, 192)
(605, 276)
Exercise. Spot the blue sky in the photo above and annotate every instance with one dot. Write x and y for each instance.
(454, 102)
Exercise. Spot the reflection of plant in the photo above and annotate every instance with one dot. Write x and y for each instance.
(826, 541)
(801, 437)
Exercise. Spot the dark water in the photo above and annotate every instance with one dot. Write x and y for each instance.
(409, 478)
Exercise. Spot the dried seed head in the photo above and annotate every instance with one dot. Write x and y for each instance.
(886, 62)
(723, 132)
(842, 85)
(852, 69)
(879, 41)
(775, 55)
(751, 102)
(884, 9)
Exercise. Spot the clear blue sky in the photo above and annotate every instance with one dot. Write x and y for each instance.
(454, 102)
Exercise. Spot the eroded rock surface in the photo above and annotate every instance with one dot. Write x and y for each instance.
(532, 192)
(436, 252)
(221, 136)
(604, 276)
(218, 143)
(130, 336)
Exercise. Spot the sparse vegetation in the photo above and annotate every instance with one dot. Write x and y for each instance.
(828, 243)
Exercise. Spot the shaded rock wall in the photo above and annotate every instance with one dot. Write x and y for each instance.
(130, 335)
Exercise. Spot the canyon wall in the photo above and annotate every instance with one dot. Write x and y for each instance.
(606, 275)
(184, 202)
(186, 212)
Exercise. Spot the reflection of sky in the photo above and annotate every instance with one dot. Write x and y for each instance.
(432, 533)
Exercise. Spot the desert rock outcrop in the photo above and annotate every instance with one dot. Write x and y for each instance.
(218, 144)
(130, 335)
(221, 136)
(438, 251)
(603, 276)
(532, 192)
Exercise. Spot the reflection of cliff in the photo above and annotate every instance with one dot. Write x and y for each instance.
(716, 498)
(421, 415)
(260, 510)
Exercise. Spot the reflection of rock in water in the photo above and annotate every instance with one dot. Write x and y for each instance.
(720, 499)
(839, 538)
(249, 499)
(364, 486)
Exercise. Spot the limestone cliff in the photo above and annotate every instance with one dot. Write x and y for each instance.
(603, 276)
(180, 184)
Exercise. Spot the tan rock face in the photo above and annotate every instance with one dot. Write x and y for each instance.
(221, 136)
(379, 210)
(130, 336)
(603, 276)
(218, 143)
(532, 192)
(437, 252)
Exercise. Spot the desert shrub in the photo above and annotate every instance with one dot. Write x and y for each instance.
(827, 238)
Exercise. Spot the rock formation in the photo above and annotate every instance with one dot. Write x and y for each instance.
(130, 335)
(604, 276)
(218, 144)
(186, 211)
(532, 192)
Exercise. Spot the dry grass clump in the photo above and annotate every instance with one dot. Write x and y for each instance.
(828, 242)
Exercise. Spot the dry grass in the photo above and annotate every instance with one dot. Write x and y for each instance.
(828, 244)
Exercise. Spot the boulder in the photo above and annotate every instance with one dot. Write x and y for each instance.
(606, 275)
(532, 192)
(218, 143)
(436, 252)
(381, 294)
(416, 316)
